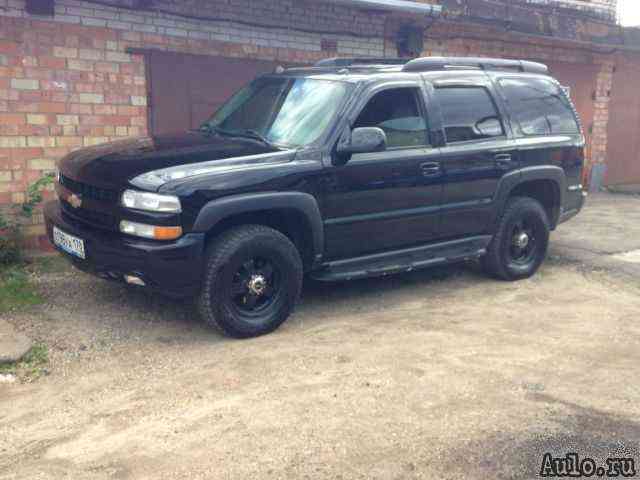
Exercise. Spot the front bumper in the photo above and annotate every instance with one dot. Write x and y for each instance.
(171, 268)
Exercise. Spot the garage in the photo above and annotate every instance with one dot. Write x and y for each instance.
(623, 146)
(184, 90)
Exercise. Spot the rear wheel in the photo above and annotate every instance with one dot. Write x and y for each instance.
(521, 241)
(252, 280)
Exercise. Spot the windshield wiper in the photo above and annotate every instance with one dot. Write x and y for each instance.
(253, 135)
(212, 129)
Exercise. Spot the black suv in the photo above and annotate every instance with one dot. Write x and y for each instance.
(347, 169)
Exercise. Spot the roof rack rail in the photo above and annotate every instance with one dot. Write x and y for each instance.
(427, 64)
(359, 61)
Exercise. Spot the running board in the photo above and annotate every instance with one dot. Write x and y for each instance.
(405, 260)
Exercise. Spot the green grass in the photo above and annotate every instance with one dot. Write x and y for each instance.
(31, 366)
(55, 263)
(16, 290)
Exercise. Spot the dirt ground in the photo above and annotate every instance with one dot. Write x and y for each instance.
(441, 374)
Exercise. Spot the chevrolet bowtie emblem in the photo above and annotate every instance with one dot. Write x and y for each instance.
(74, 200)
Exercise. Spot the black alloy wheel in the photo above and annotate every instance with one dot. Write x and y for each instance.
(520, 243)
(251, 281)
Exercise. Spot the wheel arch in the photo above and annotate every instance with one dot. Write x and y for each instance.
(546, 184)
(295, 214)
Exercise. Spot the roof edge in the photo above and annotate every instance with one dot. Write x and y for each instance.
(394, 6)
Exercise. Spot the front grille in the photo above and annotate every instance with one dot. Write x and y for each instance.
(93, 199)
(89, 191)
(91, 217)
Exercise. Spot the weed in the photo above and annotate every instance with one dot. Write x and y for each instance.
(11, 224)
(16, 289)
(32, 366)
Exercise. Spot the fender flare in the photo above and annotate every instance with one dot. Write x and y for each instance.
(304, 203)
(517, 177)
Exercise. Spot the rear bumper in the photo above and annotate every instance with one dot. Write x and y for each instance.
(575, 205)
(170, 268)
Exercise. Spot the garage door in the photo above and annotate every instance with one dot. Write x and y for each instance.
(623, 145)
(581, 78)
(184, 90)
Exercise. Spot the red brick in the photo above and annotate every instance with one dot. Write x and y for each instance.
(52, 107)
(7, 130)
(23, 106)
(13, 118)
(34, 96)
(80, 108)
(107, 67)
(33, 130)
(56, 152)
(7, 47)
(20, 154)
(53, 63)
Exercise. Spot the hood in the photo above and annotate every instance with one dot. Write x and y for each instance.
(114, 164)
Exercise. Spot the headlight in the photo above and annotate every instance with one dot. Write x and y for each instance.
(151, 202)
(155, 232)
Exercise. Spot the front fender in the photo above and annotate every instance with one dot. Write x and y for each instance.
(217, 210)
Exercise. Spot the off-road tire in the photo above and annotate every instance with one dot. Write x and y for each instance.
(496, 262)
(223, 254)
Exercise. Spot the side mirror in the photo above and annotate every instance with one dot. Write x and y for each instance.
(363, 140)
(489, 127)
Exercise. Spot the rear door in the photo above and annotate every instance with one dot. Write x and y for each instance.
(478, 151)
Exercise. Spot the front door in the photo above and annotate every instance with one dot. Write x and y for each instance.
(476, 155)
(385, 200)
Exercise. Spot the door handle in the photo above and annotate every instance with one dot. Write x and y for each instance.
(503, 159)
(430, 168)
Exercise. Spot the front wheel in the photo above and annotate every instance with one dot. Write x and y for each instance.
(521, 241)
(252, 280)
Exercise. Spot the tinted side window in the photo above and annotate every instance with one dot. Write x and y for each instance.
(539, 106)
(397, 112)
(468, 113)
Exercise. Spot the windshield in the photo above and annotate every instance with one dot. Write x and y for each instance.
(284, 111)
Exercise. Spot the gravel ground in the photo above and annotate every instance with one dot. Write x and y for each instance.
(441, 374)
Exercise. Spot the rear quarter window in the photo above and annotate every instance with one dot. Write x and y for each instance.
(468, 114)
(539, 106)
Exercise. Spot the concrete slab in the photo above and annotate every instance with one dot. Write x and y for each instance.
(605, 235)
(609, 224)
(13, 344)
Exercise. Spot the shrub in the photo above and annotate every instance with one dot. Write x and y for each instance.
(11, 222)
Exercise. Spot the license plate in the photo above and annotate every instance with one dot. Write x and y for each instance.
(68, 243)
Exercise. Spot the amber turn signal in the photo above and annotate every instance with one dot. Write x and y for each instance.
(167, 233)
(150, 231)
